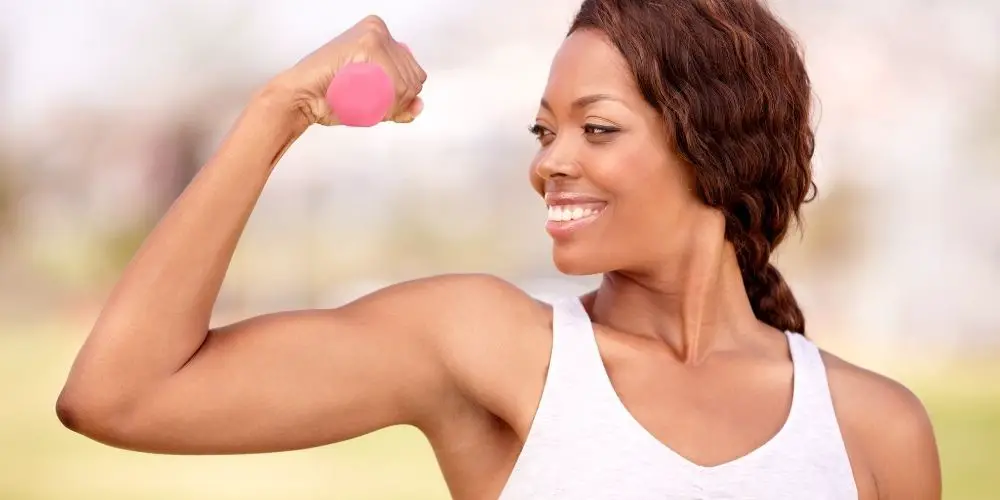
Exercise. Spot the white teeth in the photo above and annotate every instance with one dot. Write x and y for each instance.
(563, 213)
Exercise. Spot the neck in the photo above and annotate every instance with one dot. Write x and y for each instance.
(695, 303)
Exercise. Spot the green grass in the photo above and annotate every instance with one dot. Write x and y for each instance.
(964, 404)
(39, 460)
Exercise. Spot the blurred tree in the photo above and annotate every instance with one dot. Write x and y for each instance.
(219, 74)
(8, 190)
(833, 226)
(222, 76)
(9, 194)
(175, 158)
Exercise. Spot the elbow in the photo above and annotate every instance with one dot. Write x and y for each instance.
(77, 412)
(68, 412)
(91, 416)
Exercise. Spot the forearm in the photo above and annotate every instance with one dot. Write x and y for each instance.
(158, 314)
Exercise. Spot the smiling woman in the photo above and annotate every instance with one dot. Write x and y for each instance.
(674, 152)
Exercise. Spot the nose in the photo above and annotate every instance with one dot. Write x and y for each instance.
(557, 160)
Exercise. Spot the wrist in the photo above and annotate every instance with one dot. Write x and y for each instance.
(269, 125)
(280, 105)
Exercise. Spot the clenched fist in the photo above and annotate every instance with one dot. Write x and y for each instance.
(368, 41)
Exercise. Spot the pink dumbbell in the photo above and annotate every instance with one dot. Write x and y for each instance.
(361, 94)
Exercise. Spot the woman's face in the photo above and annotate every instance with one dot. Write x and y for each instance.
(619, 198)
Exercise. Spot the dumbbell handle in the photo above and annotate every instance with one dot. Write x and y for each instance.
(361, 94)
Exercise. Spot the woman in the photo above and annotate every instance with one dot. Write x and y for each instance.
(674, 152)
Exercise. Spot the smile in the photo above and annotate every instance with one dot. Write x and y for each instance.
(564, 219)
(565, 213)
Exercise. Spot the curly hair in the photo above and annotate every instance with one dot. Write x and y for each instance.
(731, 85)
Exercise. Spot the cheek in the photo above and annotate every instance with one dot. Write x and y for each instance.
(650, 192)
(637, 175)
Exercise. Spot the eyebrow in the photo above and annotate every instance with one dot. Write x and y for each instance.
(584, 101)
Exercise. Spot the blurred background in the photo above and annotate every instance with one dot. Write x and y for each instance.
(108, 108)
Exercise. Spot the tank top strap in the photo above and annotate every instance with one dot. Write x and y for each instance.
(811, 387)
(577, 377)
(813, 402)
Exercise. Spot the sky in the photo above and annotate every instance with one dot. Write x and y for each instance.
(884, 80)
(120, 54)
(900, 83)
(59, 48)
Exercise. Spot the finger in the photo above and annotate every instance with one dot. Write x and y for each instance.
(416, 77)
(397, 73)
(411, 62)
(404, 57)
(399, 54)
(406, 89)
(411, 113)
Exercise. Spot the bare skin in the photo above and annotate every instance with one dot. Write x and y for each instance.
(464, 357)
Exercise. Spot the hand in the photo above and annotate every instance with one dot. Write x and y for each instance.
(366, 41)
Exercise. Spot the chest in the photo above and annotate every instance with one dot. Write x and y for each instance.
(709, 414)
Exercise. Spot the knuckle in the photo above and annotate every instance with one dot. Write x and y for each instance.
(402, 89)
(371, 40)
(374, 22)
(375, 26)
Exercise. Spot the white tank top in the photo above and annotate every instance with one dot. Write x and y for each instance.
(584, 444)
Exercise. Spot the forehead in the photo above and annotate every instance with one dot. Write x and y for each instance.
(587, 63)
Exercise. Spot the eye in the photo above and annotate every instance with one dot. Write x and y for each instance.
(599, 130)
(540, 132)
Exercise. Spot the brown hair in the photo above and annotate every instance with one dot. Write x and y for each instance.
(730, 82)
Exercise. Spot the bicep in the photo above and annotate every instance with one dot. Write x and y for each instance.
(298, 379)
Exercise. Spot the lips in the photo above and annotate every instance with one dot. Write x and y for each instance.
(570, 197)
(569, 212)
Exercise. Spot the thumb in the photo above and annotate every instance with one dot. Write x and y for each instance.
(411, 112)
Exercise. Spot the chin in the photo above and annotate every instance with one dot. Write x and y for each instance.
(576, 261)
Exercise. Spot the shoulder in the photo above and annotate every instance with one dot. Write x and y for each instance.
(869, 396)
(445, 298)
(476, 321)
(459, 317)
(485, 320)
(491, 337)
(458, 299)
(889, 425)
